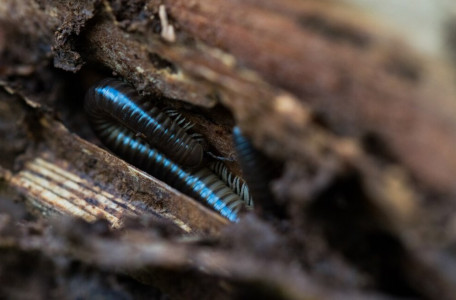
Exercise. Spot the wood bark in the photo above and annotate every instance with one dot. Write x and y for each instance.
(363, 125)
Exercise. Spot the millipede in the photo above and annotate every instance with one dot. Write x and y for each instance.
(236, 183)
(258, 171)
(120, 134)
(179, 119)
(114, 99)
(186, 125)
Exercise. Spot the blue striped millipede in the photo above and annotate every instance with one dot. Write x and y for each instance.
(117, 117)
(116, 100)
(236, 183)
(258, 171)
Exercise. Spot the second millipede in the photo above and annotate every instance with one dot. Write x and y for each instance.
(255, 167)
(236, 183)
(258, 170)
(113, 99)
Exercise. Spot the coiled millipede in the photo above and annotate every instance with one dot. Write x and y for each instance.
(113, 99)
(118, 116)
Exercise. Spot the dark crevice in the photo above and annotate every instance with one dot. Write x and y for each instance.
(161, 63)
(352, 226)
(319, 119)
(128, 10)
(374, 145)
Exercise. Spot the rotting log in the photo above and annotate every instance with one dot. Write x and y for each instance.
(364, 126)
(66, 175)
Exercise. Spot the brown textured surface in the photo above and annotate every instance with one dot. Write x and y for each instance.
(357, 85)
(364, 127)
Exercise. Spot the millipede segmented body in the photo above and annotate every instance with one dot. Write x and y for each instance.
(186, 125)
(258, 171)
(113, 99)
(201, 184)
(179, 119)
(236, 183)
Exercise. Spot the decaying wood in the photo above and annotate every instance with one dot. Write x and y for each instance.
(359, 86)
(58, 180)
(364, 126)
